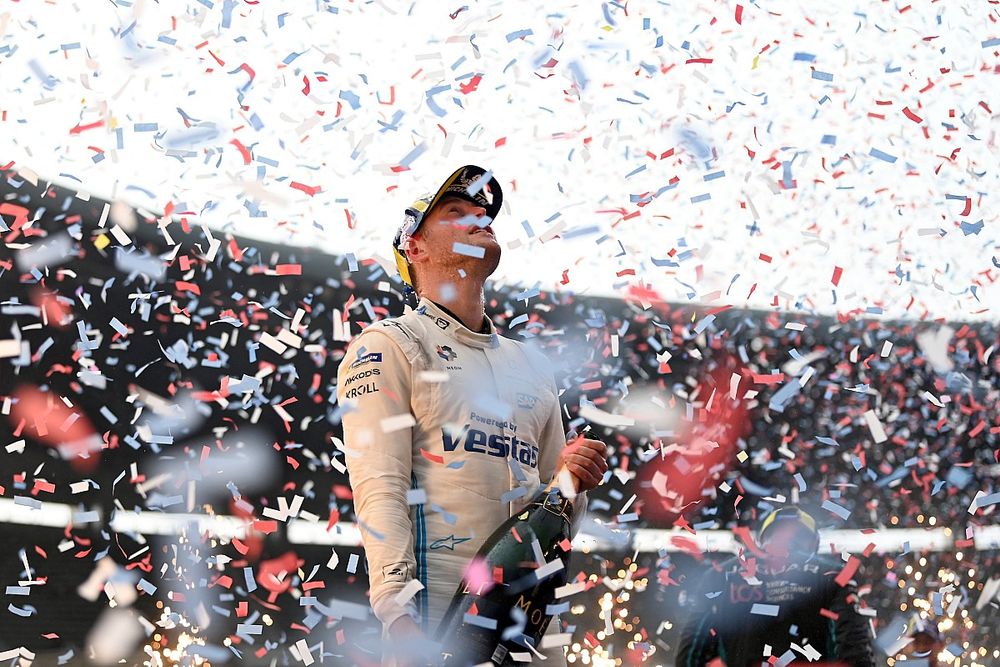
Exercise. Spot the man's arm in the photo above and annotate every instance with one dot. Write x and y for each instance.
(373, 388)
(853, 631)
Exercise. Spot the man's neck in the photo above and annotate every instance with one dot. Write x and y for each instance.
(467, 303)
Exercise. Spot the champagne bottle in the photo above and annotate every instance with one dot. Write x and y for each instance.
(487, 622)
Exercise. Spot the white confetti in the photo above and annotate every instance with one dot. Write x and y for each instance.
(875, 426)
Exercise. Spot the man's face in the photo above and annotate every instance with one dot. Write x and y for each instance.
(789, 541)
(455, 221)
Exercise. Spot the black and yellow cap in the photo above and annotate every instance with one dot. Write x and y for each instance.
(784, 515)
(469, 182)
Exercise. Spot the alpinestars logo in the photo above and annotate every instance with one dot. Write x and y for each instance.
(446, 353)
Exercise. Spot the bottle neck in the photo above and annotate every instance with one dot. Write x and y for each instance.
(564, 481)
(553, 501)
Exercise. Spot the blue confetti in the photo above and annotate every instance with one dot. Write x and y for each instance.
(519, 34)
(881, 155)
(431, 104)
(842, 512)
(971, 227)
(635, 171)
(351, 99)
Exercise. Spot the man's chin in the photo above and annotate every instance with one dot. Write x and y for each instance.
(491, 260)
(483, 266)
(486, 242)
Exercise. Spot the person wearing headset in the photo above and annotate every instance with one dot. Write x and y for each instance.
(783, 605)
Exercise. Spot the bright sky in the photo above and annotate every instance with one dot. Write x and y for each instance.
(687, 142)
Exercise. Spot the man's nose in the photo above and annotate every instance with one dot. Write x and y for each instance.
(471, 212)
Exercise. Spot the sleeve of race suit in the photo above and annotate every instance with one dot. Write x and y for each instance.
(373, 390)
(699, 645)
(552, 443)
(853, 630)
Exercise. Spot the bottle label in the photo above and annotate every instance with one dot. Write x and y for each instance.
(535, 616)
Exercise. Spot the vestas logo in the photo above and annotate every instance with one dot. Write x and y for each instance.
(491, 444)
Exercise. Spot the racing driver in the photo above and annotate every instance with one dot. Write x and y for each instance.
(450, 427)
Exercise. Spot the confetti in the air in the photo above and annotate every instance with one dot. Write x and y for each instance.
(756, 243)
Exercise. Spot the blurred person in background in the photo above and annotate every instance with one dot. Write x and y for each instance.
(927, 642)
(784, 603)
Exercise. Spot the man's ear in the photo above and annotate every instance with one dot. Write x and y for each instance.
(414, 249)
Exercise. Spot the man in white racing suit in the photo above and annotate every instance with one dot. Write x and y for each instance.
(449, 428)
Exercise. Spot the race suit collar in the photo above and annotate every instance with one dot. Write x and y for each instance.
(459, 330)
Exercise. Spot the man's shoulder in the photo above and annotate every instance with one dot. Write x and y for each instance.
(399, 330)
(405, 327)
(530, 350)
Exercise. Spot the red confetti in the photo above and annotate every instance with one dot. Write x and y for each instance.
(471, 86)
(968, 206)
(848, 571)
(77, 129)
(185, 286)
(912, 116)
(267, 526)
(242, 149)
(311, 190)
(433, 458)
